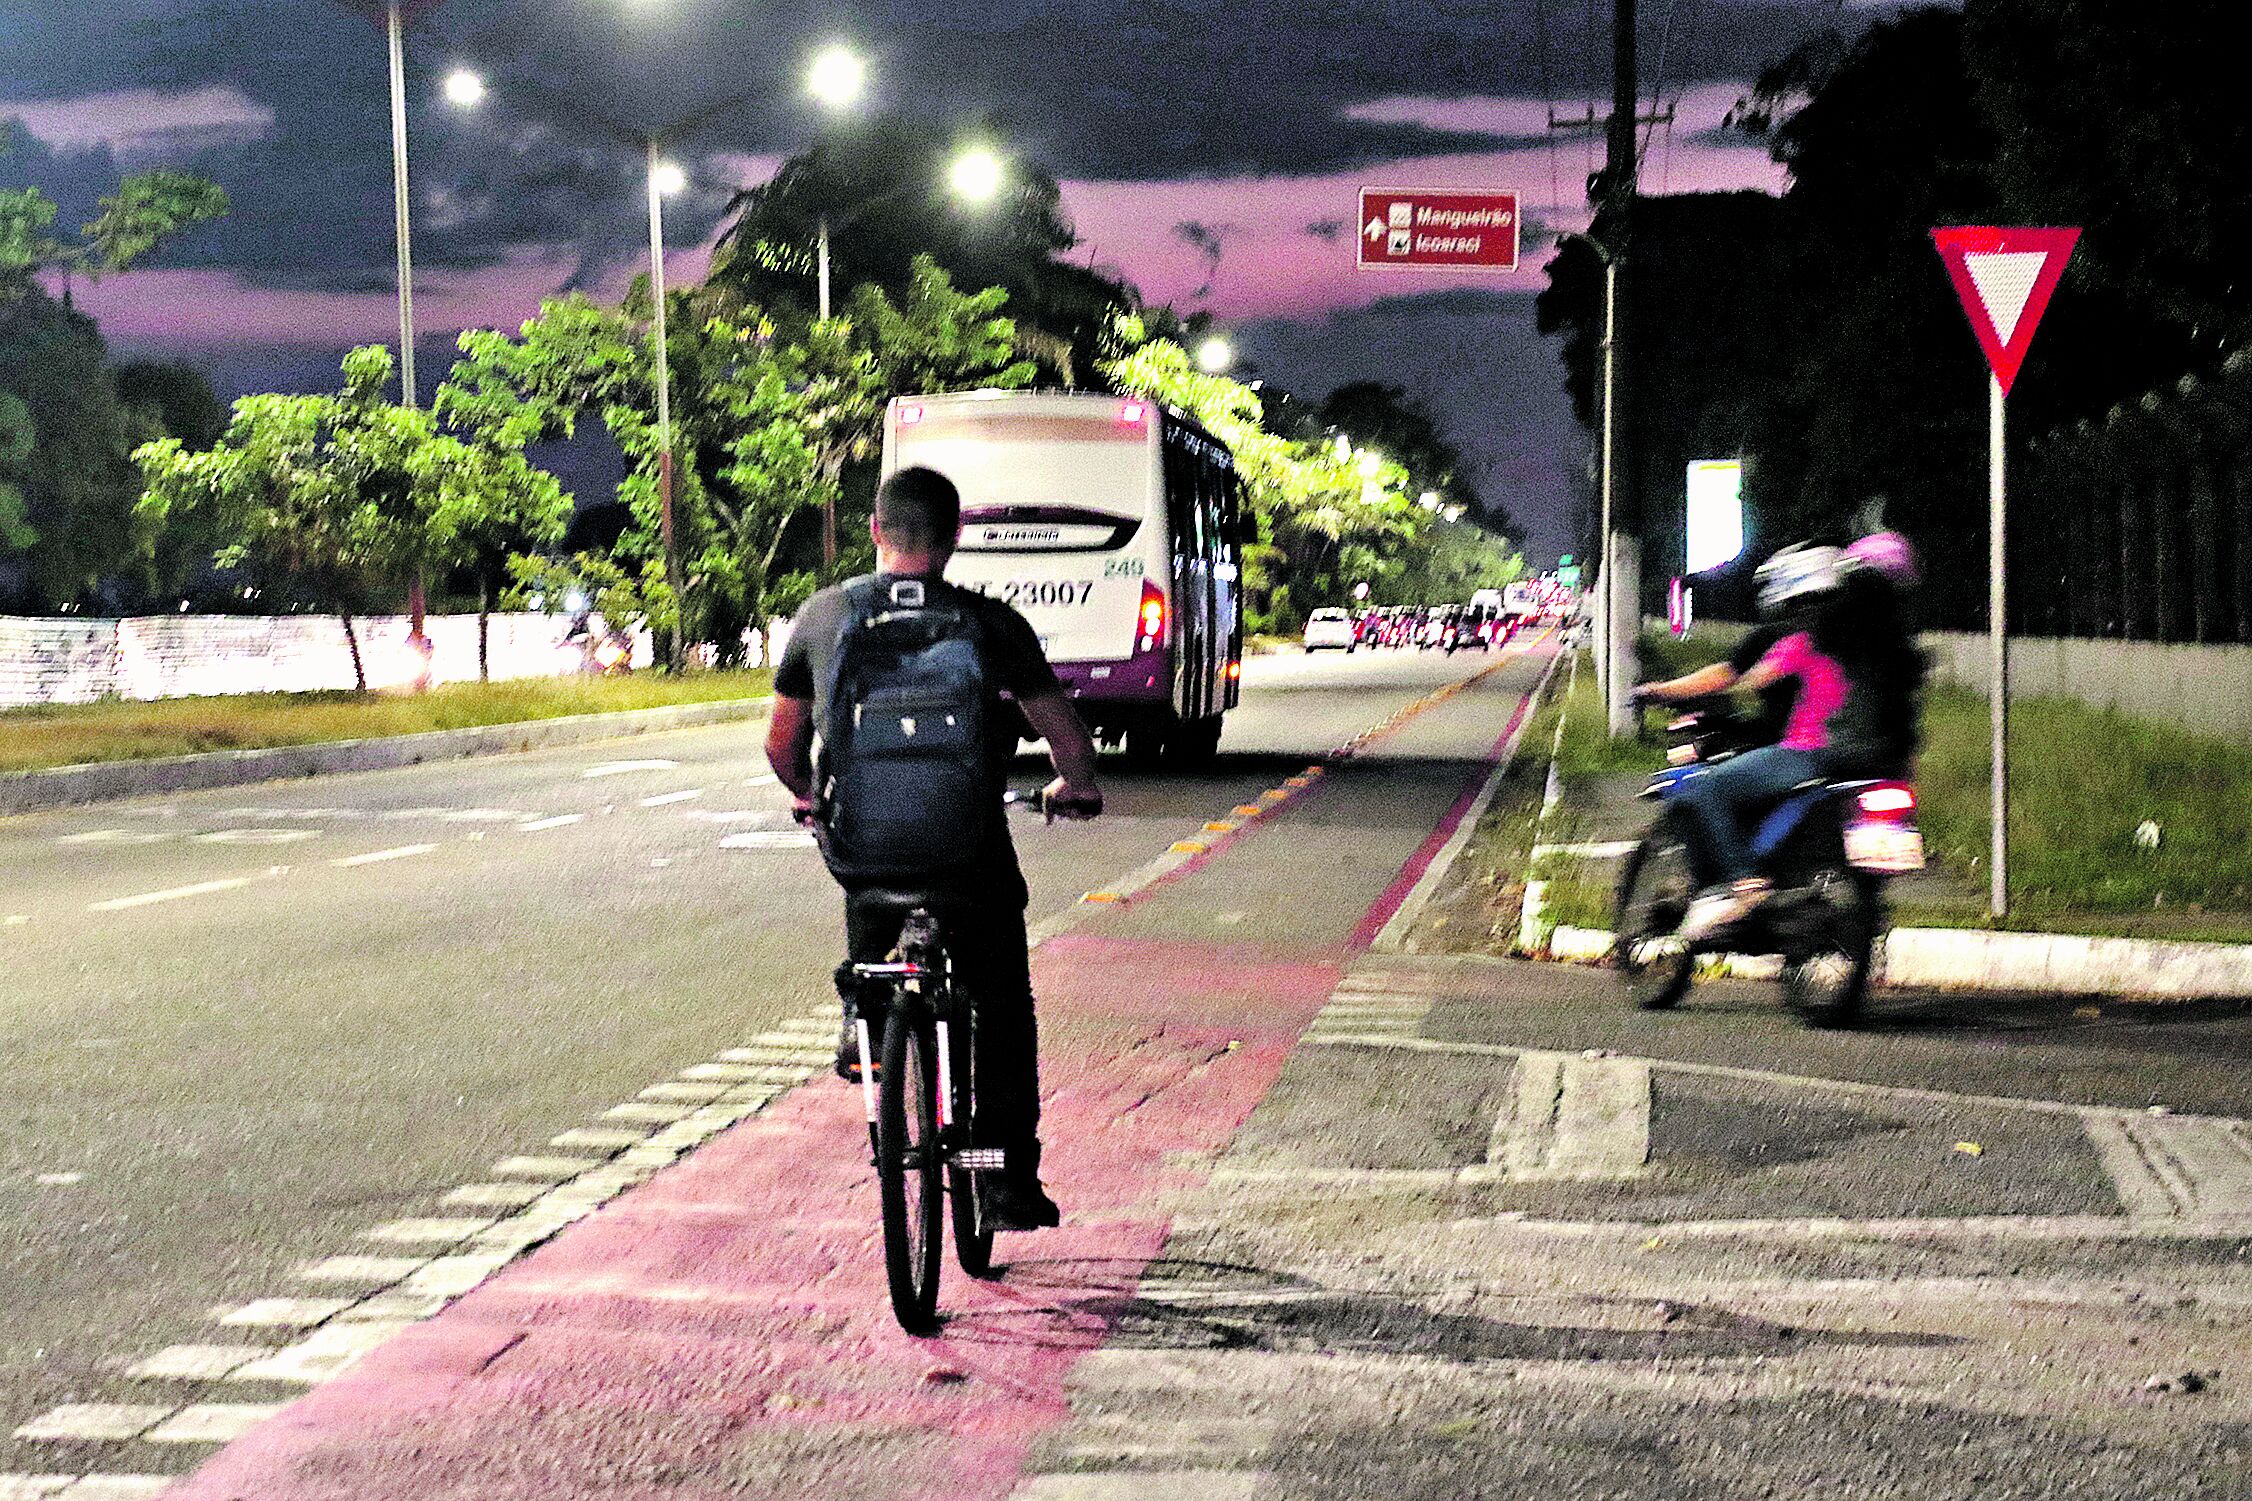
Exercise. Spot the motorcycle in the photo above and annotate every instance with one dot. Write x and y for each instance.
(1828, 847)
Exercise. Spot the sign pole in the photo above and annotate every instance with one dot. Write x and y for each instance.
(1998, 677)
(2004, 277)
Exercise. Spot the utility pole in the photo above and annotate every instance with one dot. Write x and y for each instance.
(1622, 541)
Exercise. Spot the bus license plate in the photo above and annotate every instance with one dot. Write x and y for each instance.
(1884, 847)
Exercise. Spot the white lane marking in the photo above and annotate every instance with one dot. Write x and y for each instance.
(762, 839)
(118, 836)
(620, 768)
(257, 836)
(95, 1421)
(662, 798)
(377, 857)
(557, 822)
(121, 1487)
(212, 1422)
(172, 894)
(733, 815)
(1573, 1118)
(766, 781)
(283, 1313)
(59, 1180)
(14, 920)
(194, 1362)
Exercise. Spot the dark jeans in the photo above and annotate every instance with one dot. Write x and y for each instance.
(1721, 799)
(992, 965)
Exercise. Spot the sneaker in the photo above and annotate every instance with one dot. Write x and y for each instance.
(848, 1053)
(1016, 1201)
(1720, 907)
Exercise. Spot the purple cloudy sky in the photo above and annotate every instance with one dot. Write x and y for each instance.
(1210, 154)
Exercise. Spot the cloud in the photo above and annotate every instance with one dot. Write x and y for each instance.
(143, 123)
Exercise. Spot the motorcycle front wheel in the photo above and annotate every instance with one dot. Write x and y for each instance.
(1655, 890)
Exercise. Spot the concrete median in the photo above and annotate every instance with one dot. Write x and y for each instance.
(107, 781)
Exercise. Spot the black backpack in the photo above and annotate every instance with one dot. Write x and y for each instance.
(906, 788)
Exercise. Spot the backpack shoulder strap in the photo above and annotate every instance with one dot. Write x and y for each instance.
(859, 598)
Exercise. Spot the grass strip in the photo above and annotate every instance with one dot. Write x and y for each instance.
(121, 730)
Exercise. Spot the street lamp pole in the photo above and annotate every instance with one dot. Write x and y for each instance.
(667, 538)
(395, 37)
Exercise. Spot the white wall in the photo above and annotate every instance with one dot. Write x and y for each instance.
(2202, 688)
(73, 660)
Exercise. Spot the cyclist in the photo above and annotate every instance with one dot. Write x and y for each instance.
(916, 523)
(1852, 674)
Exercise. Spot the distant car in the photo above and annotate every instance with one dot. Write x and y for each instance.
(1329, 629)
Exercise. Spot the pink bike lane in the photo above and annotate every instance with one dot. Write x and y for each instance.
(723, 1329)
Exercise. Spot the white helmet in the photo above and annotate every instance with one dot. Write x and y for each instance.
(1796, 574)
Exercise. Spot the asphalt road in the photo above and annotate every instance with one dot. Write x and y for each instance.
(1379, 1255)
(242, 1026)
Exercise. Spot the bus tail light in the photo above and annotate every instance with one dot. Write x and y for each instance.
(1235, 672)
(1152, 615)
(1133, 413)
(909, 415)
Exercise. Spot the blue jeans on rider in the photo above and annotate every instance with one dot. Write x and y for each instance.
(1722, 799)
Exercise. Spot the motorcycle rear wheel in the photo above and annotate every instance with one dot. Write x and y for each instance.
(1655, 890)
(1827, 984)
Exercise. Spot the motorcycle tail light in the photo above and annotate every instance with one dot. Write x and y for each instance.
(1892, 802)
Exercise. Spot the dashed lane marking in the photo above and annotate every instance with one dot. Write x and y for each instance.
(196, 1362)
(622, 768)
(560, 820)
(257, 836)
(768, 839)
(170, 894)
(664, 799)
(95, 1422)
(377, 857)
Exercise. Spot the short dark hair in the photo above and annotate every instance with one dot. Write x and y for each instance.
(919, 510)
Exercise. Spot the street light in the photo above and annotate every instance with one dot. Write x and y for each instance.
(837, 77)
(1215, 355)
(977, 175)
(464, 89)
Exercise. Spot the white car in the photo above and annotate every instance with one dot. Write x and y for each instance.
(1329, 628)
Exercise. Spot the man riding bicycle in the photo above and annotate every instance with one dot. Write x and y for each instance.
(981, 892)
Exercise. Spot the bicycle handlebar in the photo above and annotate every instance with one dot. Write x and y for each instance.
(1036, 800)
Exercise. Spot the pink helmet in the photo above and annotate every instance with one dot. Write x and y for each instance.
(1887, 553)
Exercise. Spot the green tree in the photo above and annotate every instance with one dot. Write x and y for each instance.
(342, 495)
(1326, 517)
(883, 189)
(75, 484)
(768, 414)
(18, 440)
(146, 210)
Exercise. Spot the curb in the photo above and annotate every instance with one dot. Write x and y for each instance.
(1974, 959)
(106, 781)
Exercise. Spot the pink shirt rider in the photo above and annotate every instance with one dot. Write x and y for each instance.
(1822, 691)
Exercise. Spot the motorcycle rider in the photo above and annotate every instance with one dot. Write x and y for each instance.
(1839, 672)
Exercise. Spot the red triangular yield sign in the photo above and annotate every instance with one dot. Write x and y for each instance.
(2004, 278)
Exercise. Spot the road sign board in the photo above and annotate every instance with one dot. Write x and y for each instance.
(2004, 278)
(1434, 229)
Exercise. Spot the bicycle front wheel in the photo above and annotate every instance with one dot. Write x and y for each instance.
(908, 1169)
(973, 1238)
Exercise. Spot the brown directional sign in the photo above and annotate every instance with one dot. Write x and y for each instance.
(1437, 229)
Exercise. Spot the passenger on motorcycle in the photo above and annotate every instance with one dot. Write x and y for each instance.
(1840, 650)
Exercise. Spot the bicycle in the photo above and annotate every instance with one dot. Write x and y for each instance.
(921, 1101)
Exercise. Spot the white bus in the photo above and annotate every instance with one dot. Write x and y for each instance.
(1115, 526)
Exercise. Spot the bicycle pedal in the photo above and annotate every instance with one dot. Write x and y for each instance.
(981, 1159)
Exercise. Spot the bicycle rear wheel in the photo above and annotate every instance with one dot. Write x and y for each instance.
(908, 1169)
(973, 1241)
